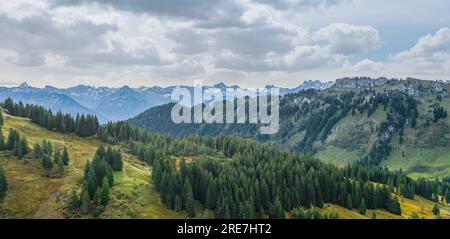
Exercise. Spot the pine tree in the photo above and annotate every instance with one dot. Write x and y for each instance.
(22, 147)
(56, 155)
(65, 156)
(278, 211)
(60, 167)
(1, 116)
(90, 181)
(101, 153)
(12, 138)
(349, 203)
(362, 208)
(85, 202)
(189, 203)
(2, 140)
(3, 184)
(104, 192)
(116, 161)
(47, 165)
(74, 200)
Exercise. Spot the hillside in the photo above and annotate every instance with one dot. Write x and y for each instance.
(387, 122)
(31, 195)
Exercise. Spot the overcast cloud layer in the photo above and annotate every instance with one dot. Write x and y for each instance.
(247, 42)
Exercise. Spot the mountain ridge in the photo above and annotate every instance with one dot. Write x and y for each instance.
(111, 104)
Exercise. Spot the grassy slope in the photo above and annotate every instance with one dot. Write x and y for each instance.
(32, 196)
(422, 207)
(133, 195)
(351, 138)
(426, 151)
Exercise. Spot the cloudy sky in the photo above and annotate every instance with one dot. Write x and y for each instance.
(248, 42)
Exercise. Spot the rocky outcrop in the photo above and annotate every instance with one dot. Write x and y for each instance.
(421, 88)
(411, 86)
(360, 82)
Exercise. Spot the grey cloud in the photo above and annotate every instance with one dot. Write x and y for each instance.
(255, 41)
(190, 41)
(430, 47)
(82, 42)
(349, 39)
(431, 52)
(193, 9)
(302, 4)
(301, 58)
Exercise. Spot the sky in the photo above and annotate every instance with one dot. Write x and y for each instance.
(252, 43)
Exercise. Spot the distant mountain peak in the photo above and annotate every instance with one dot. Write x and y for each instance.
(220, 85)
(24, 85)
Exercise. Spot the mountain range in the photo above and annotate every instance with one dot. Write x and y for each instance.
(112, 104)
(401, 124)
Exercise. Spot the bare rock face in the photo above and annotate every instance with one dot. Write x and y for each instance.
(360, 82)
(421, 88)
(411, 86)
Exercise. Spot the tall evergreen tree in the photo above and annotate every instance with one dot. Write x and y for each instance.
(2, 140)
(104, 192)
(47, 164)
(362, 208)
(3, 184)
(60, 167)
(189, 199)
(85, 202)
(65, 156)
(1, 116)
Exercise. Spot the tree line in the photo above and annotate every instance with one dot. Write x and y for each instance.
(83, 126)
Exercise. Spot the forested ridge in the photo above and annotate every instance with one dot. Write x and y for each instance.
(239, 178)
(308, 118)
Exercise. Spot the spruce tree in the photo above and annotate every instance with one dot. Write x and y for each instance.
(1, 116)
(91, 182)
(104, 192)
(47, 165)
(60, 167)
(56, 155)
(3, 184)
(189, 204)
(65, 156)
(2, 140)
(12, 138)
(22, 147)
(85, 202)
(116, 161)
(278, 210)
(74, 200)
(349, 203)
(362, 208)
